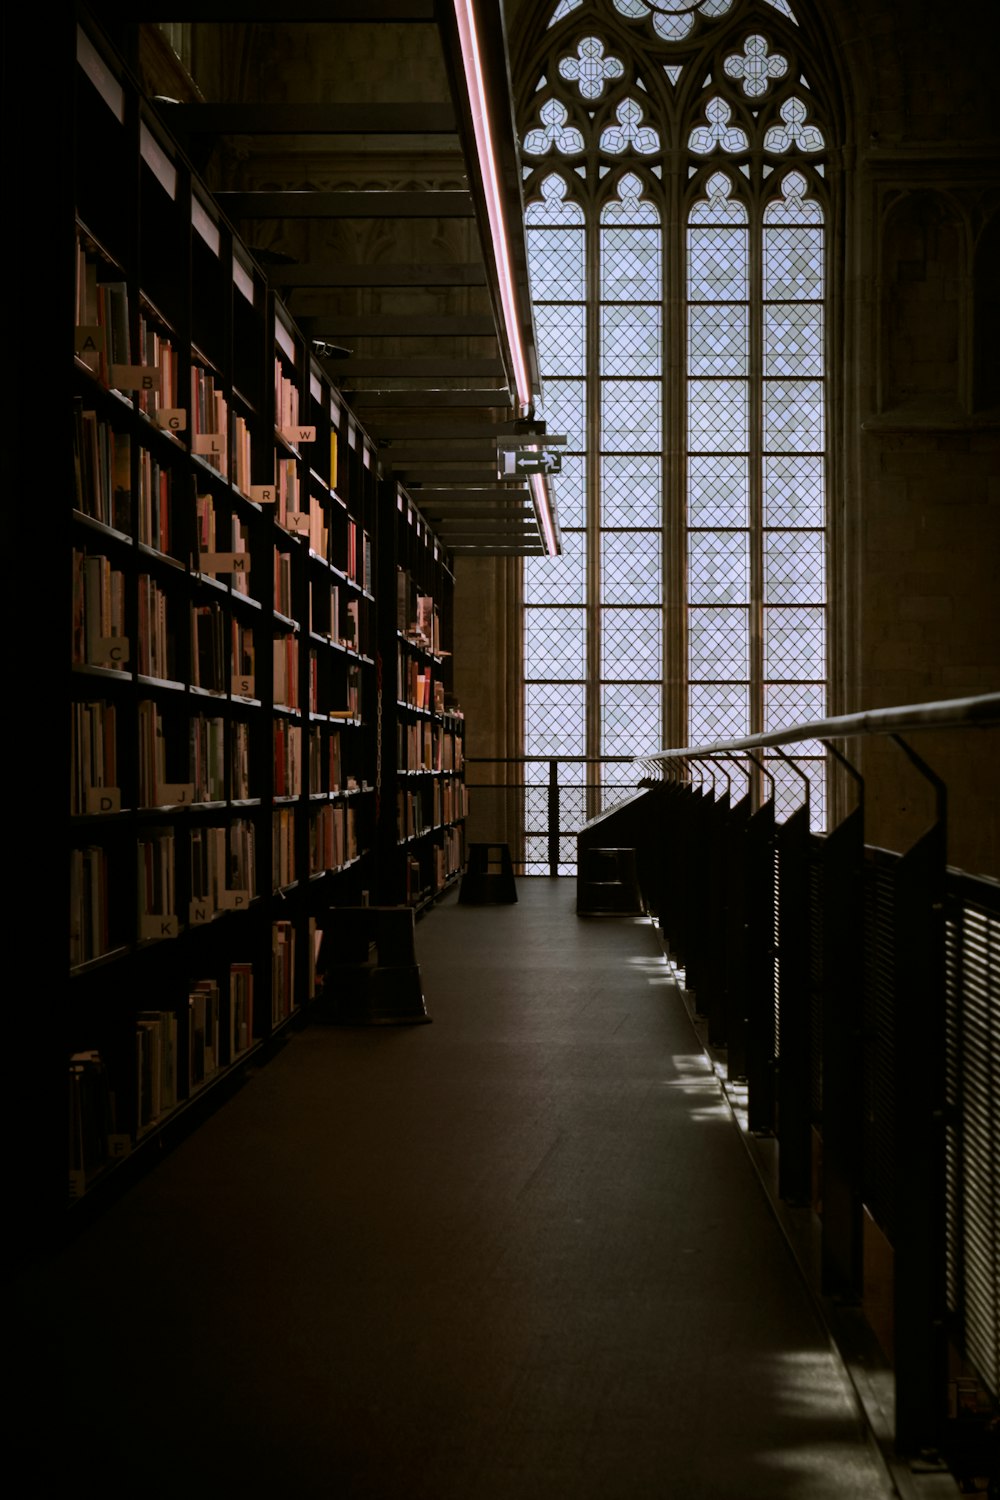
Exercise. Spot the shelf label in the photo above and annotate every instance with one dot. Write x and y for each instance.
(119, 1145)
(135, 377)
(298, 522)
(200, 912)
(172, 418)
(264, 494)
(175, 794)
(104, 799)
(243, 687)
(225, 562)
(297, 435)
(88, 339)
(233, 900)
(108, 650)
(208, 444)
(152, 926)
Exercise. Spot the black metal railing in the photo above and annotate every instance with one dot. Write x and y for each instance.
(856, 992)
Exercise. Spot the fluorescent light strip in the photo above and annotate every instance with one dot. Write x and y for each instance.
(494, 202)
(465, 15)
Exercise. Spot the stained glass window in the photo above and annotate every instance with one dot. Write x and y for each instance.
(691, 497)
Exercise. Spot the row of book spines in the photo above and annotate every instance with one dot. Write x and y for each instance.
(417, 687)
(449, 855)
(428, 747)
(416, 614)
(421, 811)
(177, 1052)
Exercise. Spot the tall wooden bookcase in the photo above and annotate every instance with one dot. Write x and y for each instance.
(259, 726)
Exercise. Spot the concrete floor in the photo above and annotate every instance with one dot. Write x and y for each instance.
(519, 1254)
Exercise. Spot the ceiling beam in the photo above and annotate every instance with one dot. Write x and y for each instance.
(401, 326)
(263, 11)
(469, 549)
(457, 453)
(420, 367)
(441, 432)
(443, 273)
(310, 119)
(426, 497)
(486, 400)
(463, 477)
(449, 203)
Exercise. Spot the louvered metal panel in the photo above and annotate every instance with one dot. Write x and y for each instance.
(973, 1134)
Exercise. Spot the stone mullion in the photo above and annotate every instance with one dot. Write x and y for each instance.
(674, 439)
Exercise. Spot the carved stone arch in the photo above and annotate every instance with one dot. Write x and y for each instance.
(923, 295)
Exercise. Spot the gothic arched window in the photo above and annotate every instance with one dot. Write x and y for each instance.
(674, 162)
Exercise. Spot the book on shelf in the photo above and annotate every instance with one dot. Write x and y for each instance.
(102, 464)
(89, 927)
(94, 1136)
(287, 759)
(156, 885)
(203, 1005)
(98, 638)
(239, 759)
(240, 1009)
(282, 848)
(282, 971)
(156, 1067)
(242, 660)
(208, 758)
(209, 420)
(155, 655)
(285, 652)
(208, 648)
(94, 758)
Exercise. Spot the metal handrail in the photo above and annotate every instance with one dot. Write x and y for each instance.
(981, 712)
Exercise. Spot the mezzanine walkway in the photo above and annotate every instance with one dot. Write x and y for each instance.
(519, 1254)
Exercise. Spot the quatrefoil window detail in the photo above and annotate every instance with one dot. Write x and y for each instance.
(629, 132)
(554, 132)
(718, 131)
(672, 19)
(590, 69)
(717, 207)
(755, 67)
(794, 131)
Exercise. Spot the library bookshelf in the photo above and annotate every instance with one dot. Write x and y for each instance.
(260, 719)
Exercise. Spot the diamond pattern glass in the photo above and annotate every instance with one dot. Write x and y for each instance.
(793, 207)
(793, 263)
(564, 411)
(630, 264)
(793, 338)
(717, 265)
(631, 645)
(718, 206)
(786, 704)
(718, 339)
(557, 580)
(719, 643)
(794, 567)
(555, 207)
(554, 642)
(631, 719)
(630, 340)
(556, 265)
(793, 416)
(718, 491)
(719, 711)
(554, 719)
(793, 491)
(561, 334)
(718, 567)
(630, 567)
(631, 490)
(794, 645)
(568, 489)
(630, 415)
(717, 415)
(789, 789)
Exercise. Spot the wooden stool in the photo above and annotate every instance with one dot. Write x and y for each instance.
(369, 965)
(489, 876)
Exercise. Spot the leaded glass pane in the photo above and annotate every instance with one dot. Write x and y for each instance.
(631, 644)
(555, 207)
(554, 642)
(630, 415)
(794, 567)
(718, 490)
(755, 67)
(631, 719)
(793, 130)
(718, 644)
(620, 777)
(554, 718)
(629, 207)
(793, 207)
(557, 580)
(789, 788)
(717, 415)
(793, 264)
(630, 340)
(591, 69)
(717, 339)
(793, 491)
(717, 264)
(793, 338)
(630, 264)
(561, 335)
(556, 265)
(787, 704)
(793, 415)
(568, 488)
(719, 131)
(794, 644)
(718, 711)
(630, 567)
(565, 411)
(630, 490)
(718, 567)
(629, 132)
(555, 131)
